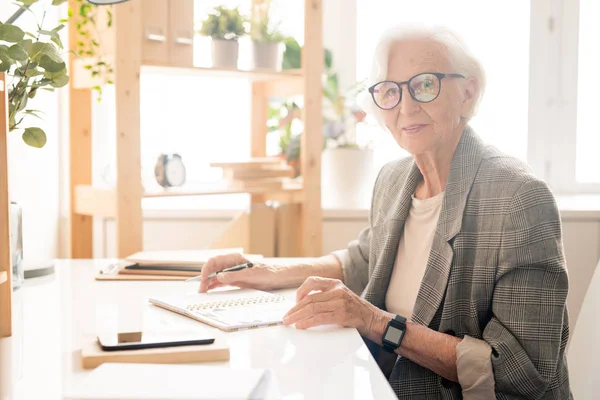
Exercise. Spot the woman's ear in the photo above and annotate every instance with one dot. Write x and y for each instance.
(469, 89)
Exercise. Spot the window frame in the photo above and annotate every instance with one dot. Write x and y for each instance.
(554, 44)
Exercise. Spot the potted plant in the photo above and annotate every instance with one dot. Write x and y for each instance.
(225, 26)
(266, 39)
(31, 61)
(347, 167)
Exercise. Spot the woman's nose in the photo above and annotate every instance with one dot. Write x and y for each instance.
(408, 105)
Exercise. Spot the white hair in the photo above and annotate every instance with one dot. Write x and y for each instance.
(460, 57)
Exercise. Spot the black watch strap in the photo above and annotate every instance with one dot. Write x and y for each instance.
(398, 323)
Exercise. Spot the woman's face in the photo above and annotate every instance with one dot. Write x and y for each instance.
(425, 127)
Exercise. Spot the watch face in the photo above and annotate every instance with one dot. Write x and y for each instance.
(393, 335)
(175, 172)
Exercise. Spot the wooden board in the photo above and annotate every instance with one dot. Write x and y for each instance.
(181, 32)
(128, 25)
(259, 173)
(186, 274)
(5, 258)
(80, 143)
(92, 354)
(312, 138)
(122, 277)
(257, 162)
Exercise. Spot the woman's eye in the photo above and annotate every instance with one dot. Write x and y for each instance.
(392, 92)
(427, 84)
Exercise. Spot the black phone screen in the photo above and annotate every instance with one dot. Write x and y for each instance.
(146, 340)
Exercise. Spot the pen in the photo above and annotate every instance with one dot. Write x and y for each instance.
(230, 269)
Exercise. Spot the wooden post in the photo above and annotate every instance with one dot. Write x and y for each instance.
(312, 138)
(80, 150)
(128, 25)
(5, 259)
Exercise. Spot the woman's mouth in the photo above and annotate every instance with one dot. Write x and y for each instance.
(413, 128)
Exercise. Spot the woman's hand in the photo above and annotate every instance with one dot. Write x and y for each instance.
(260, 276)
(334, 303)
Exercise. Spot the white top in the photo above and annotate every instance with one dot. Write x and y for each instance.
(52, 316)
(413, 253)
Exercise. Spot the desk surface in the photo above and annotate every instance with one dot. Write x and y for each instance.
(53, 314)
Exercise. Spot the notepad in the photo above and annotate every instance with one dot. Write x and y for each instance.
(229, 310)
(182, 258)
(168, 382)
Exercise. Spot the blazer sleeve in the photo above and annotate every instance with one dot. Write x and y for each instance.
(529, 298)
(355, 258)
(355, 262)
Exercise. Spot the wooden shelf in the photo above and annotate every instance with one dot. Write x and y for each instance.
(102, 202)
(3, 277)
(287, 82)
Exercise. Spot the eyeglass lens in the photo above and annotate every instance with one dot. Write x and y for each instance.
(423, 88)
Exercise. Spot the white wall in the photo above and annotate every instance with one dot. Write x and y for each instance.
(34, 173)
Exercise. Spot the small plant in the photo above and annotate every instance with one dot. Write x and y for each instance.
(33, 62)
(340, 111)
(87, 20)
(261, 27)
(224, 24)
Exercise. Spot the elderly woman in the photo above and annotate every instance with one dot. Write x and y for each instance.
(461, 274)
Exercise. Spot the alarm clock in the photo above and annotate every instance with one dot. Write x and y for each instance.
(169, 170)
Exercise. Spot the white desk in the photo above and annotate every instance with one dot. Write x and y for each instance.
(52, 315)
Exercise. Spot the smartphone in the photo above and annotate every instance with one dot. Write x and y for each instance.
(147, 340)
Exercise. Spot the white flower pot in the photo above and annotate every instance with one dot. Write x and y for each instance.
(225, 53)
(347, 178)
(266, 55)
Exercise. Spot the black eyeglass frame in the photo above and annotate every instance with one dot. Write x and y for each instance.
(439, 75)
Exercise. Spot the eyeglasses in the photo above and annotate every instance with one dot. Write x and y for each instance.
(424, 88)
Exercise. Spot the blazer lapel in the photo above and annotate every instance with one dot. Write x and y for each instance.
(467, 158)
(387, 236)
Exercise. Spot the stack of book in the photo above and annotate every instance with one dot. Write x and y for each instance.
(267, 173)
(165, 265)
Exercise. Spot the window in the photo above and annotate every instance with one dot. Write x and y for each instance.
(502, 48)
(588, 94)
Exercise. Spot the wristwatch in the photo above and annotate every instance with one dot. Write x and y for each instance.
(394, 333)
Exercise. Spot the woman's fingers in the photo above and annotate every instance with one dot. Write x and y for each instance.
(306, 310)
(315, 283)
(218, 263)
(327, 318)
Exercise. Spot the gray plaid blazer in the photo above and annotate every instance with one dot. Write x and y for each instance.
(496, 271)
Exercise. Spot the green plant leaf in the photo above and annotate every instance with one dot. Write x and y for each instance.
(26, 44)
(60, 81)
(50, 65)
(34, 137)
(16, 52)
(49, 89)
(28, 2)
(11, 33)
(38, 50)
(34, 113)
(48, 33)
(58, 2)
(31, 35)
(59, 28)
(57, 42)
(292, 54)
(32, 72)
(32, 93)
(328, 59)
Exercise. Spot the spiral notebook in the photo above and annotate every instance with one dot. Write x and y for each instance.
(229, 310)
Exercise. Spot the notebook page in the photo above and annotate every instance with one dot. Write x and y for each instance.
(231, 309)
